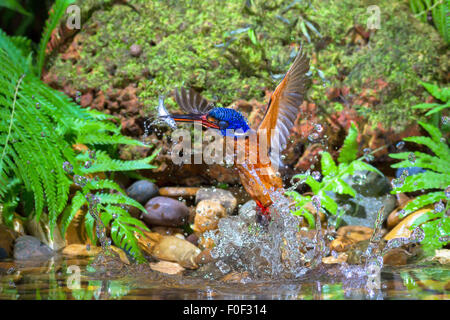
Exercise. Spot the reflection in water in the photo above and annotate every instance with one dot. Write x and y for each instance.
(50, 280)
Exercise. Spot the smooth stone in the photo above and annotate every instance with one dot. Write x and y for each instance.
(167, 267)
(167, 231)
(178, 191)
(7, 238)
(225, 197)
(177, 250)
(192, 238)
(41, 230)
(402, 230)
(208, 214)
(81, 250)
(28, 247)
(442, 256)
(76, 231)
(142, 191)
(347, 236)
(135, 50)
(396, 257)
(167, 212)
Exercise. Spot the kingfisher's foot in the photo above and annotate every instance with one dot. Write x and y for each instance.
(262, 215)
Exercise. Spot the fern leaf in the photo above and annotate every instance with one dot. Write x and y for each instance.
(422, 201)
(56, 13)
(349, 149)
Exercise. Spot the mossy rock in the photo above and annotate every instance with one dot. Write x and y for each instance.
(238, 49)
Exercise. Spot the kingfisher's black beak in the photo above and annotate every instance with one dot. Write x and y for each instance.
(195, 118)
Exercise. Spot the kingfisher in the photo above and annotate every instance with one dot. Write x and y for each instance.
(259, 178)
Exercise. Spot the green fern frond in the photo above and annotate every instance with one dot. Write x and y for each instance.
(349, 149)
(56, 13)
(333, 177)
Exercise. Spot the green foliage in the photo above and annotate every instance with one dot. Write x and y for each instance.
(439, 12)
(15, 6)
(333, 176)
(440, 94)
(56, 13)
(436, 177)
(38, 126)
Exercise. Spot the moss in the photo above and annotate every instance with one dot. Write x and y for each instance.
(206, 45)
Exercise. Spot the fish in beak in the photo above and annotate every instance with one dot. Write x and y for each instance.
(172, 119)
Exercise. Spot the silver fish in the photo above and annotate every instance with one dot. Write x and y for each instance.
(164, 114)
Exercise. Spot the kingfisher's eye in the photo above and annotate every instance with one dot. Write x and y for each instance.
(223, 125)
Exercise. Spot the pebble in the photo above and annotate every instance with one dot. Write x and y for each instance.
(208, 214)
(178, 191)
(142, 191)
(167, 267)
(7, 237)
(135, 50)
(401, 230)
(28, 247)
(225, 197)
(348, 236)
(164, 211)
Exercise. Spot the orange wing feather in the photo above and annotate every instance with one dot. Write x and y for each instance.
(285, 102)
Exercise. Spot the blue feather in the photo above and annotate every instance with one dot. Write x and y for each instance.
(234, 119)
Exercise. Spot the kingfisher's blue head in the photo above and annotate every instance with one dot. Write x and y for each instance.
(227, 119)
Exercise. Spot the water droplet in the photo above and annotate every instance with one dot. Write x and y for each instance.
(318, 127)
(67, 167)
(223, 267)
(316, 202)
(412, 158)
(447, 192)
(417, 235)
(316, 175)
(80, 180)
(38, 105)
(439, 207)
(400, 145)
(313, 136)
(87, 164)
(88, 247)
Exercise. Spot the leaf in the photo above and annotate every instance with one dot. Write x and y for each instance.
(252, 36)
(342, 187)
(436, 92)
(434, 231)
(440, 149)
(439, 108)
(328, 165)
(56, 13)
(422, 201)
(424, 180)
(349, 149)
(359, 165)
(423, 160)
(328, 203)
(434, 132)
(15, 6)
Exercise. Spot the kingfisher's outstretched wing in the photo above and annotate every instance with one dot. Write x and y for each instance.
(192, 102)
(285, 103)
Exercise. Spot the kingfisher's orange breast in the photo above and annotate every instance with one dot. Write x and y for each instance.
(257, 175)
